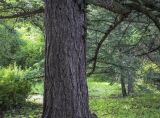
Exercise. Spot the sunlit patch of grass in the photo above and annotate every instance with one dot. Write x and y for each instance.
(143, 106)
(106, 102)
(100, 86)
(103, 89)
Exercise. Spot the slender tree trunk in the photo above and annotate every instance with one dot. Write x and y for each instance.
(124, 92)
(130, 83)
(65, 94)
(1, 113)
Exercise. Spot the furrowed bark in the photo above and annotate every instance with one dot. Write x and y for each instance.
(65, 94)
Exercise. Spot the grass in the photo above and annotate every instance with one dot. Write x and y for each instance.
(142, 106)
(103, 89)
(105, 101)
(30, 110)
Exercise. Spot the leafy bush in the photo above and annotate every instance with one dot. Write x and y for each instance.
(14, 89)
(36, 72)
(32, 50)
(10, 44)
(29, 54)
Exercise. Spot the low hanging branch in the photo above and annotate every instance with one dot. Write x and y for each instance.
(23, 14)
(111, 5)
(104, 37)
(151, 51)
(144, 10)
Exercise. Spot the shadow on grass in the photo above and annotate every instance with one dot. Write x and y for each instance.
(29, 110)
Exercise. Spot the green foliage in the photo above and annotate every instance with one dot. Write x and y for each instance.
(29, 55)
(14, 89)
(22, 44)
(32, 51)
(37, 88)
(10, 44)
(10, 7)
(26, 50)
(36, 72)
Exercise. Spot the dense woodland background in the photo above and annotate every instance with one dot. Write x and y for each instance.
(123, 58)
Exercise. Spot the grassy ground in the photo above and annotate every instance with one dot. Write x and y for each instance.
(105, 101)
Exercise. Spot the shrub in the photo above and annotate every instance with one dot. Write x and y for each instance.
(14, 88)
(36, 73)
(10, 44)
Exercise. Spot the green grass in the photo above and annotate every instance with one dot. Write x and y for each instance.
(142, 106)
(103, 89)
(105, 101)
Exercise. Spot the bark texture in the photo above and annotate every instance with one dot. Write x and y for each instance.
(65, 94)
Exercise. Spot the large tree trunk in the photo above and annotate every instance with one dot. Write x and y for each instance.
(65, 94)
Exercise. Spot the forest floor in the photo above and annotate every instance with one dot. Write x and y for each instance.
(105, 100)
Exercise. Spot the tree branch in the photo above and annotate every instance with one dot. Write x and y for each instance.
(23, 14)
(143, 10)
(151, 51)
(111, 5)
(104, 37)
(107, 4)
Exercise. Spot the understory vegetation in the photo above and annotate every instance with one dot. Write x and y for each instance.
(105, 100)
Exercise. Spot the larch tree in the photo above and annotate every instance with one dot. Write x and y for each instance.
(65, 94)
